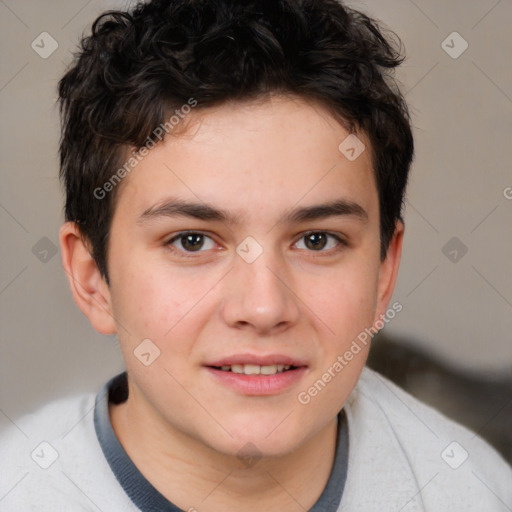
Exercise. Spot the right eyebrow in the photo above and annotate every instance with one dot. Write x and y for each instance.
(176, 207)
(202, 211)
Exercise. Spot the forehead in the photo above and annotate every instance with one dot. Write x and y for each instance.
(251, 157)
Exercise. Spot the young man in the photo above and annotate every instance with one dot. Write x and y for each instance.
(234, 178)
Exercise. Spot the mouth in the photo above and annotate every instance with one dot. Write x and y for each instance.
(254, 375)
(254, 369)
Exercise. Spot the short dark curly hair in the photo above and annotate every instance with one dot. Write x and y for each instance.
(138, 67)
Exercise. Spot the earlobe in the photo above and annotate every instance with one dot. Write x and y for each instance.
(389, 270)
(89, 288)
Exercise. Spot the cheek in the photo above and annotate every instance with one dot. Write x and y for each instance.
(346, 304)
(161, 304)
(344, 301)
(147, 304)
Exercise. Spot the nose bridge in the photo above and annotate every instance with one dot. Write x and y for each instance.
(258, 297)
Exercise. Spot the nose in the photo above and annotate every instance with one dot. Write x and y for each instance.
(259, 297)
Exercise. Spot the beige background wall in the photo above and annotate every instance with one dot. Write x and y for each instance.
(462, 110)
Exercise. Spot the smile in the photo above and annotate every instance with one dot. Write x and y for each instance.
(257, 375)
(254, 369)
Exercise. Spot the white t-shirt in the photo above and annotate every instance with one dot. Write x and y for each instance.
(402, 456)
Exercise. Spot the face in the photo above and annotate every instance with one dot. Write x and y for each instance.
(247, 251)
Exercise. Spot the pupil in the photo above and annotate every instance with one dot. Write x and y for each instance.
(316, 241)
(192, 242)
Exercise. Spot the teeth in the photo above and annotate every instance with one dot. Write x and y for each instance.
(251, 369)
(268, 370)
(254, 369)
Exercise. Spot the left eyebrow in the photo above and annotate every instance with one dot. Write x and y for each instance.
(337, 208)
(203, 211)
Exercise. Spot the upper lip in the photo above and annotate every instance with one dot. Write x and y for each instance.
(260, 360)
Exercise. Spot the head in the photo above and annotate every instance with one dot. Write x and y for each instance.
(210, 210)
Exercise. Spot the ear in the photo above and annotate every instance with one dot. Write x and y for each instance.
(389, 271)
(89, 288)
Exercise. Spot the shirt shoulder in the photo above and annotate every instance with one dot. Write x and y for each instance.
(447, 463)
(50, 460)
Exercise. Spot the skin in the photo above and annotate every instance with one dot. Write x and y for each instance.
(181, 427)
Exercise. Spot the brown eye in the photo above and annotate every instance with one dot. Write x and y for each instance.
(315, 241)
(319, 241)
(192, 242)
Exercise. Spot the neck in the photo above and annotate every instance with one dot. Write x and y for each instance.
(193, 476)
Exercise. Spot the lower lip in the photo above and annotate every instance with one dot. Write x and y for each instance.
(259, 385)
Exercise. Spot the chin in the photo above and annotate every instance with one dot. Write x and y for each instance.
(254, 440)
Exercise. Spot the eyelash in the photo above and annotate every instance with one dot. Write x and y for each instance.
(341, 242)
(194, 254)
(183, 253)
